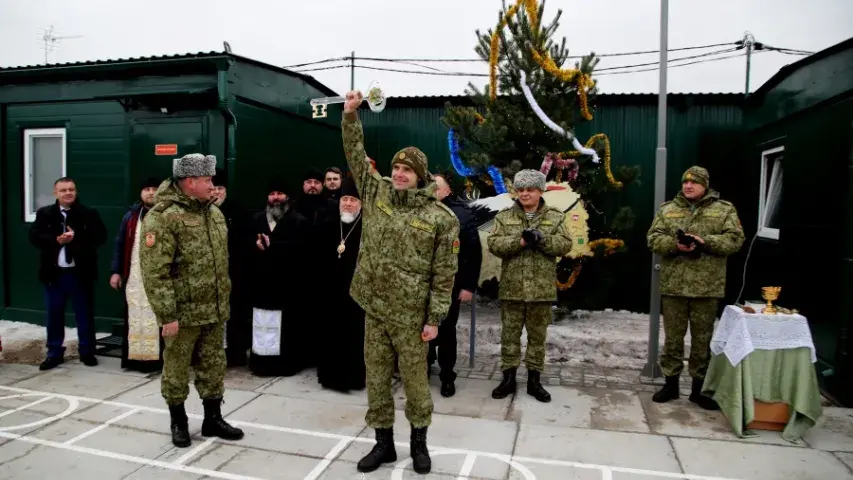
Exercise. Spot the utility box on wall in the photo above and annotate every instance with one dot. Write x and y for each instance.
(111, 124)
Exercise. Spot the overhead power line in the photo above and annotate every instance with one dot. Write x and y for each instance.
(480, 60)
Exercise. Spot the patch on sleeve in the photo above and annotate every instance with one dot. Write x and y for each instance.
(149, 239)
(456, 246)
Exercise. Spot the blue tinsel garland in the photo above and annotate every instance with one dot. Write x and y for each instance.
(465, 171)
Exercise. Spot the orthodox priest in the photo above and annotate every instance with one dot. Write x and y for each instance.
(141, 346)
(277, 287)
(341, 366)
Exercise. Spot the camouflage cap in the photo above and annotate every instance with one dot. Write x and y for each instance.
(697, 174)
(415, 159)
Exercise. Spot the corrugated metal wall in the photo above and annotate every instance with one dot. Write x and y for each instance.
(702, 129)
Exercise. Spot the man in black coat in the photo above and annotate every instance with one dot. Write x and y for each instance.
(341, 361)
(238, 336)
(68, 235)
(275, 281)
(464, 286)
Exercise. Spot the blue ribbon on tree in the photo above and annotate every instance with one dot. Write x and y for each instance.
(465, 171)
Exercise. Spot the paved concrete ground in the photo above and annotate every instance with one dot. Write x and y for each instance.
(80, 422)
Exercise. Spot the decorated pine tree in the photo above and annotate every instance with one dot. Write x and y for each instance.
(526, 117)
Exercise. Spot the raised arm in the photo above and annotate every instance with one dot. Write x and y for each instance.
(366, 180)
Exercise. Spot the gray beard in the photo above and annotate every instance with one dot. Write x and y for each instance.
(348, 218)
(276, 212)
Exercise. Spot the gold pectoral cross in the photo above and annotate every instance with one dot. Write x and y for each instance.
(341, 248)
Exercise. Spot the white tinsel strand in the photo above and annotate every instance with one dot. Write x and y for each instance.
(550, 123)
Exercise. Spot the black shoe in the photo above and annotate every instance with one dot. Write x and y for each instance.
(668, 392)
(419, 452)
(51, 362)
(180, 427)
(216, 426)
(382, 452)
(448, 389)
(507, 385)
(89, 360)
(535, 388)
(696, 396)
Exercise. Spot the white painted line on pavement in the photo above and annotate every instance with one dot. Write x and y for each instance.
(126, 458)
(195, 451)
(606, 473)
(467, 467)
(515, 462)
(102, 426)
(24, 407)
(324, 464)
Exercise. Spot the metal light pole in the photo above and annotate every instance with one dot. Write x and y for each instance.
(652, 369)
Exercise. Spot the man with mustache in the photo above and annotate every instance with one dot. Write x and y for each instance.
(278, 256)
(528, 238)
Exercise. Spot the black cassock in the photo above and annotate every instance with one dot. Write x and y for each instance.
(280, 344)
(341, 363)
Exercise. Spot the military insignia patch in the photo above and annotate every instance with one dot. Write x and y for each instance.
(149, 239)
(402, 155)
(689, 176)
(456, 246)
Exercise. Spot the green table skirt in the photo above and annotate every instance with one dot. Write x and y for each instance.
(769, 376)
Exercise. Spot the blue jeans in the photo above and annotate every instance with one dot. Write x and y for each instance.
(68, 285)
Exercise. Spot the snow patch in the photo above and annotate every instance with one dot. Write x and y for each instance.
(607, 339)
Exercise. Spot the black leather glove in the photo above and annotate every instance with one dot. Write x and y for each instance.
(532, 237)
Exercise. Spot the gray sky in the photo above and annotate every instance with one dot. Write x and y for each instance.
(291, 32)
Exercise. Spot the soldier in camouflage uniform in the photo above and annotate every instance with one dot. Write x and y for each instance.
(185, 272)
(528, 238)
(403, 281)
(693, 276)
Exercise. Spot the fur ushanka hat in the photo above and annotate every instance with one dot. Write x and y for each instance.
(194, 165)
(529, 178)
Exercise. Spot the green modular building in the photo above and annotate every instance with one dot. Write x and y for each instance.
(111, 124)
(795, 184)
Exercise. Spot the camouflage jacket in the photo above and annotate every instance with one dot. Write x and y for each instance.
(710, 218)
(529, 274)
(409, 244)
(184, 259)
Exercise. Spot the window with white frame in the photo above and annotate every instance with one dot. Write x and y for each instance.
(44, 163)
(770, 196)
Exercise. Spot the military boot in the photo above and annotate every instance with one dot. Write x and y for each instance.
(507, 385)
(418, 450)
(382, 452)
(535, 388)
(216, 426)
(696, 396)
(668, 392)
(180, 427)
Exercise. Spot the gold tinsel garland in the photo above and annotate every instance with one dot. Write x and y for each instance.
(607, 171)
(611, 244)
(582, 81)
(571, 280)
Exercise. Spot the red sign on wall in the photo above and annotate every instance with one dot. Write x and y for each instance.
(166, 149)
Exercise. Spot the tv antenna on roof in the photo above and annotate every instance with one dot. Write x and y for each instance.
(50, 42)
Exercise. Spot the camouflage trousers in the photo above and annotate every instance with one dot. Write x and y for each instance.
(678, 313)
(209, 366)
(383, 342)
(533, 316)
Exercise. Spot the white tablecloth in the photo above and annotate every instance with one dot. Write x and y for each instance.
(739, 333)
